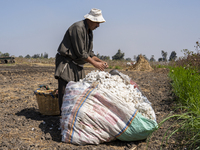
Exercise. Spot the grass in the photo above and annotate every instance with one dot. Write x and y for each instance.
(186, 86)
(118, 67)
(155, 65)
(161, 66)
(185, 76)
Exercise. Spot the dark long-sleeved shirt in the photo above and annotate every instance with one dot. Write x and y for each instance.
(75, 47)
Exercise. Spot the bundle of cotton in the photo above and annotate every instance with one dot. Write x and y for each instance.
(123, 90)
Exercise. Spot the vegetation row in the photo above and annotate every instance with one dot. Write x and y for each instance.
(185, 76)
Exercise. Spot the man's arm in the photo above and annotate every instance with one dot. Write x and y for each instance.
(96, 59)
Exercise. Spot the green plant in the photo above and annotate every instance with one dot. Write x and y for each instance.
(186, 86)
(110, 67)
(185, 80)
(160, 66)
(118, 67)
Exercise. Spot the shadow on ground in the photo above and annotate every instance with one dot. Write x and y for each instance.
(50, 125)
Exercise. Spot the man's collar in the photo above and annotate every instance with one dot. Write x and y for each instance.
(86, 26)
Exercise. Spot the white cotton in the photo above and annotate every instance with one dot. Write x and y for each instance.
(122, 89)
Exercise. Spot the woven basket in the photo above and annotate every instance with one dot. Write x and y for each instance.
(47, 102)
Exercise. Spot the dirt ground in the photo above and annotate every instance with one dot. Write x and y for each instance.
(23, 127)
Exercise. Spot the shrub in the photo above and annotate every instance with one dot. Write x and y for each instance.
(190, 60)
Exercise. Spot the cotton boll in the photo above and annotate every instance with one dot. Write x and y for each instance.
(122, 89)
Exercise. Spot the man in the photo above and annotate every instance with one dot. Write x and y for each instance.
(75, 50)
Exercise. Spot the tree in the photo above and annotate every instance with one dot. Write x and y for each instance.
(164, 55)
(143, 56)
(98, 55)
(128, 59)
(135, 58)
(172, 56)
(152, 58)
(36, 56)
(28, 56)
(5, 54)
(46, 55)
(160, 59)
(103, 57)
(20, 56)
(118, 56)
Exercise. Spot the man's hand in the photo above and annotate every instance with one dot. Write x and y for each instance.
(105, 64)
(100, 65)
(97, 63)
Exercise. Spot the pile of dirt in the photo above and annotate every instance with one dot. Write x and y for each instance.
(141, 65)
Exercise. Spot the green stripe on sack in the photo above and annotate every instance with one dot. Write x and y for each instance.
(139, 129)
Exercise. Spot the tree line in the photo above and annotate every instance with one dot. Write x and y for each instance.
(45, 55)
(4, 54)
(118, 56)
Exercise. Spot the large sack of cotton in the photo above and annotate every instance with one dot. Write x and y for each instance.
(103, 107)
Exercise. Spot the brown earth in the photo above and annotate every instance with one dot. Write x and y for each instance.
(23, 127)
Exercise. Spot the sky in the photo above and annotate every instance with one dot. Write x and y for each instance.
(146, 27)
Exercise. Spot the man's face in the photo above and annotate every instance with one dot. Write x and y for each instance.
(93, 25)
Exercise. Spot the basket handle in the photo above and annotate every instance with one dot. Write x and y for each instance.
(52, 93)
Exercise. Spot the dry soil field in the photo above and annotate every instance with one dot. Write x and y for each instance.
(23, 127)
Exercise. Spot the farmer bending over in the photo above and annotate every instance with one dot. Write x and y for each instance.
(75, 50)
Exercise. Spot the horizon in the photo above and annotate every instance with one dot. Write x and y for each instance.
(135, 27)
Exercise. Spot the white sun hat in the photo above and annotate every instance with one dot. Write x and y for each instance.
(95, 15)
